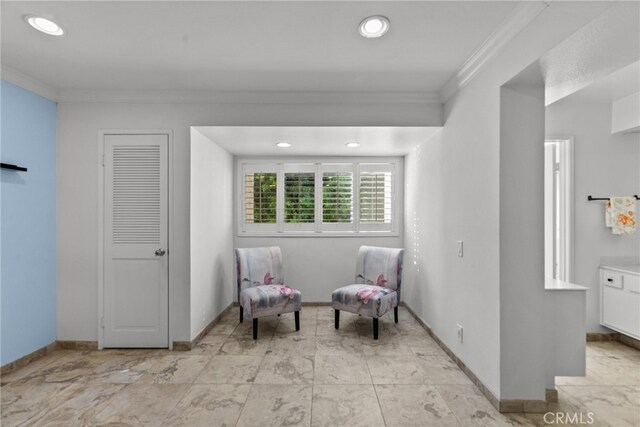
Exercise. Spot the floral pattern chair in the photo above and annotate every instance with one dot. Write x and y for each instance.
(377, 287)
(261, 288)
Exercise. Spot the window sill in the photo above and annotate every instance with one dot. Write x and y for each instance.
(313, 234)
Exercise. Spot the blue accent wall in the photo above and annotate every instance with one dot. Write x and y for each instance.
(27, 223)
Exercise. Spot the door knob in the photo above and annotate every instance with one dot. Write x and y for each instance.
(160, 252)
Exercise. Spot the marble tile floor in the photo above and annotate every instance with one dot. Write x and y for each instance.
(315, 377)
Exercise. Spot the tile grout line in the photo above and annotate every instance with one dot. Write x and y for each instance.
(375, 390)
(437, 390)
(177, 403)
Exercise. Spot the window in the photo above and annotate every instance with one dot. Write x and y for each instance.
(260, 198)
(340, 198)
(299, 196)
(337, 197)
(376, 207)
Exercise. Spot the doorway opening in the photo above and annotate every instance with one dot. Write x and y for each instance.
(558, 208)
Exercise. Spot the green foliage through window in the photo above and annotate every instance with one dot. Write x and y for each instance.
(354, 197)
(337, 200)
(299, 197)
(260, 198)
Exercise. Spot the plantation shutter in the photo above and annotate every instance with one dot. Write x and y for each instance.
(299, 195)
(337, 208)
(260, 189)
(299, 209)
(376, 197)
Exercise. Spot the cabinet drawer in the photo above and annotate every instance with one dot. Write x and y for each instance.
(631, 283)
(612, 279)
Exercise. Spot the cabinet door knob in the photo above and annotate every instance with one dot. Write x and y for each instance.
(609, 279)
(160, 252)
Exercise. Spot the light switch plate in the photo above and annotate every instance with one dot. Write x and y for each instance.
(460, 244)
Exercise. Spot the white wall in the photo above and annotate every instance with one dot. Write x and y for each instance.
(625, 114)
(317, 266)
(605, 165)
(211, 222)
(77, 184)
(453, 193)
(522, 303)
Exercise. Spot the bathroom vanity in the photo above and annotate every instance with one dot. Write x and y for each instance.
(620, 298)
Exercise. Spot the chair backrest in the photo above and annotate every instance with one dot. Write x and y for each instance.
(259, 266)
(380, 266)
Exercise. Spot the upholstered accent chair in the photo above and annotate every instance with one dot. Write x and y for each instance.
(377, 287)
(261, 288)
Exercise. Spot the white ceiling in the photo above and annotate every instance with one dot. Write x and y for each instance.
(617, 85)
(608, 43)
(317, 141)
(246, 45)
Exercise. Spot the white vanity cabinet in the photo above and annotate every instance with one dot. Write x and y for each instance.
(620, 298)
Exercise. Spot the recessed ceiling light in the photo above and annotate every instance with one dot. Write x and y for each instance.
(44, 25)
(374, 27)
(353, 144)
(283, 145)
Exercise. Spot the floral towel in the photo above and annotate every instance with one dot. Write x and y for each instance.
(620, 215)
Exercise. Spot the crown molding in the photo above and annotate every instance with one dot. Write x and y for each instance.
(518, 19)
(29, 83)
(246, 97)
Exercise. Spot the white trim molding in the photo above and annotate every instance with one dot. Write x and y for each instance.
(101, 226)
(520, 17)
(247, 97)
(567, 209)
(18, 78)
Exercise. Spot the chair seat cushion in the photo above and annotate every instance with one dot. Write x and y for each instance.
(363, 299)
(269, 300)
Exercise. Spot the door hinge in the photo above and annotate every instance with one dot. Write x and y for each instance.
(102, 322)
(103, 160)
(556, 167)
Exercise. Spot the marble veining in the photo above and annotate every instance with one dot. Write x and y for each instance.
(348, 405)
(321, 377)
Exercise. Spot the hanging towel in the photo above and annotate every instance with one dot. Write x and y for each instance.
(620, 215)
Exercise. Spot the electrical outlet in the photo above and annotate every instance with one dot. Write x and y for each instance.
(460, 333)
(460, 244)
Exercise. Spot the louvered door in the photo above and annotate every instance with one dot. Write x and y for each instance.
(136, 297)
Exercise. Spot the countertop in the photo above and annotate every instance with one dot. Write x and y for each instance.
(551, 284)
(630, 269)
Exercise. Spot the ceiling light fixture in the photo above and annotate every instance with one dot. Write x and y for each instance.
(283, 145)
(374, 27)
(353, 144)
(44, 25)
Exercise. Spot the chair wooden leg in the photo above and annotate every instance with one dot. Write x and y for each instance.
(337, 318)
(255, 329)
(375, 328)
(297, 317)
(241, 313)
(395, 314)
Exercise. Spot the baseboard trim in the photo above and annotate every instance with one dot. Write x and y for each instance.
(78, 345)
(601, 337)
(614, 336)
(28, 358)
(627, 340)
(504, 405)
(551, 395)
(188, 345)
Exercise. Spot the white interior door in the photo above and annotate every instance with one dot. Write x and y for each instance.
(136, 273)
